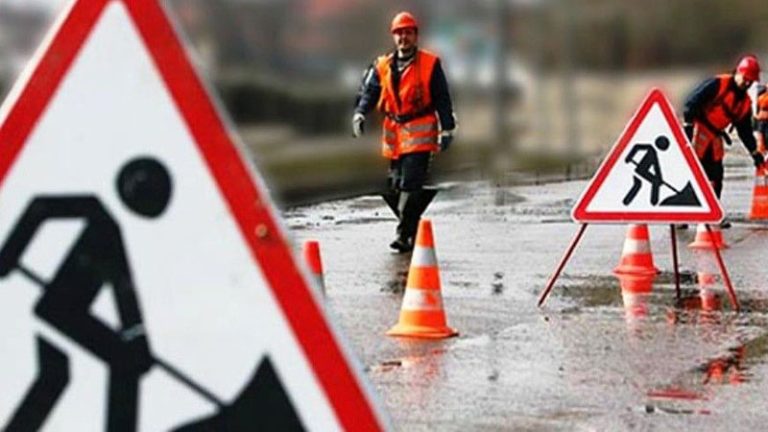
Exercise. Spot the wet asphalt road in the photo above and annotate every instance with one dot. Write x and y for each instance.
(591, 359)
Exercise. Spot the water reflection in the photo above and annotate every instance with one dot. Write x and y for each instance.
(635, 294)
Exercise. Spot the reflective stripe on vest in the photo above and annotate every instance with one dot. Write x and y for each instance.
(424, 127)
(418, 140)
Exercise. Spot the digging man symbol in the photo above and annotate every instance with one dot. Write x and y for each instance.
(649, 169)
(96, 260)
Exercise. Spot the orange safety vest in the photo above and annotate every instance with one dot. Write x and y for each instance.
(723, 110)
(762, 102)
(762, 106)
(410, 123)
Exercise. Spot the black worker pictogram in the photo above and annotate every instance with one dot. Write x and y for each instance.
(648, 169)
(97, 260)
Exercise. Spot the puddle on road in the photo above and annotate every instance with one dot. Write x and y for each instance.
(364, 220)
(425, 357)
(681, 329)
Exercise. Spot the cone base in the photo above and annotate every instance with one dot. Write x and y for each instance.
(404, 330)
(707, 245)
(761, 216)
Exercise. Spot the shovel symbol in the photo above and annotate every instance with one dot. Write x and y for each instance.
(684, 197)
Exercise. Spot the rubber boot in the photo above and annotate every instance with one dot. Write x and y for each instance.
(411, 206)
(404, 240)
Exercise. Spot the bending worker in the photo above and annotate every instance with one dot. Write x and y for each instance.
(714, 105)
(409, 87)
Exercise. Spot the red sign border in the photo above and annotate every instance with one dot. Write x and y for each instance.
(580, 213)
(336, 372)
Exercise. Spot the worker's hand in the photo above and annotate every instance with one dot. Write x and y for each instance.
(445, 140)
(688, 128)
(358, 125)
(758, 159)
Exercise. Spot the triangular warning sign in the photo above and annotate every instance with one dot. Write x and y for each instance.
(651, 175)
(214, 323)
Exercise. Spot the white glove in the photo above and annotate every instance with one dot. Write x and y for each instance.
(358, 123)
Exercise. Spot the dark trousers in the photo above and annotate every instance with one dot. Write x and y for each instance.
(714, 170)
(407, 176)
(409, 172)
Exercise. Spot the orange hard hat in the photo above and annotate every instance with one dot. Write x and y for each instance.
(749, 67)
(404, 20)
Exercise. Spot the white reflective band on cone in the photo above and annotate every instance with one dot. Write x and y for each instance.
(636, 246)
(423, 257)
(422, 300)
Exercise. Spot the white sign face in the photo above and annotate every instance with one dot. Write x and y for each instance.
(144, 281)
(650, 175)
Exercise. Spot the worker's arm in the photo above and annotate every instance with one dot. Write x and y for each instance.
(369, 91)
(634, 151)
(441, 98)
(744, 129)
(41, 209)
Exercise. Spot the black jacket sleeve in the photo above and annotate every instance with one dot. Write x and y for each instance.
(744, 129)
(701, 95)
(441, 98)
(369, 91)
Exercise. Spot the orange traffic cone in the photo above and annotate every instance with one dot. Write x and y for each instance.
(635, 291)
(636, 257)
(710, 299)
(704, 240)
(759, 209)
(422, 314)
(315, 264)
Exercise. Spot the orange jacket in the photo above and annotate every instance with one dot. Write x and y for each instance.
(410, 125)
(725, 108)
(762, 107)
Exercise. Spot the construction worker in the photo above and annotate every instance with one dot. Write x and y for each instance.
(714, 105)
(408, 86)
(761, 118)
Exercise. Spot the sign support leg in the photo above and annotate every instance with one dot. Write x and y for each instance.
(560, 267)
(724, 272)
(673, 236)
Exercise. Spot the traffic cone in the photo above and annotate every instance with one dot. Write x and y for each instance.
(635, 291)
(315, 264)
(710, 299)
(422, 314)
(636, 257)
(705, 241)
(759, 209)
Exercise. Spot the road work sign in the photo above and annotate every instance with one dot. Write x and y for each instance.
(145, 281)
(650, 175)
